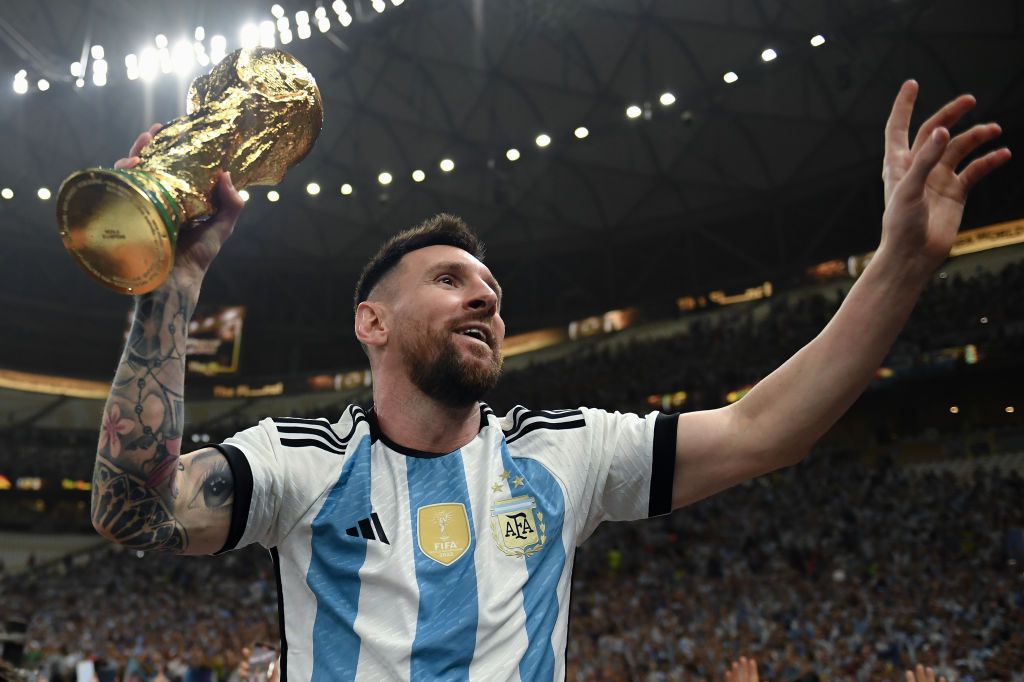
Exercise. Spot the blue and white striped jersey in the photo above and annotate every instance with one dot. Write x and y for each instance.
(399, 564)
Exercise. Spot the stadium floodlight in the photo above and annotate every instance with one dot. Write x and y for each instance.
(512, 154)
(667, 99)
(313, 189)
(324, 24)
(99, 78)
(447, 165)
(633, 111)
(267, 29)
(303, 31)
(43, 85)
(286, 37)
(379, 5)
(96, 51)
(581, 132)
(200, 33)
(346, 189)
(768, 55)
(183, 57)
(301, 17)
(339, 7)
(43, 193)
(418, 176)
(80, 83)
(20, 86)
(131, 66)
(345, 18)
(730, 77)
(543, 140)
(160, 40)
(250, 36)
(396, 3)
(384, 178)
(149, 63)
(273, 196)
(277, 11)
(244, 193)
(818, 40)
(283, 24)
(76, 69)
(218, 48)
(320, 13)
(7, 193)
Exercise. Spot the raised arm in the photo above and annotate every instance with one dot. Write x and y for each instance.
(145, 494)
(781, 418)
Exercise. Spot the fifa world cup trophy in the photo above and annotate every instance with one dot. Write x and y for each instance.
(256, 114)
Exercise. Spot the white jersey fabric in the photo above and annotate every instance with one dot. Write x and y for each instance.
(399, 564)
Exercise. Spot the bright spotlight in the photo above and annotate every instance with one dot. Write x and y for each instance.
(339, 6)
(447, 165)
(96, 51)
(768, 55)
(304, 31)
(667, 99)
(7, 193)
(182, 57)
(244, 193)
(286, 37)
(43, 193)
(149, 63)
(43, 85)
(273, 196)
(199, 33)
(267, 29)
(543, 140)
(76, 69)
(99, 78)
(161, 41)
(512, 154)
(324, 24)
(633, 111)
(80, 83)
(346, 189)
(396, 3)
(302, 17)
(379, 5)
(277, 11)
(818, 40)
(730, 77)
(20, 86)
(345, 18)
(250, 36)
(312, 189)
(581, 132)
(418, 176)
(384, 178)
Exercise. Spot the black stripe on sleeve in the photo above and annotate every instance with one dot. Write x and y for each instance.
(283, 660)
(663, 464)
(555, 426)
(327, 434)
(241, 472)
(311, 443)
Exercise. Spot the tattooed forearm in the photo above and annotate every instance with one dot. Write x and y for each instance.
(136, 476)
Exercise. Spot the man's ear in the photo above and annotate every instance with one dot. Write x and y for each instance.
(371, 327)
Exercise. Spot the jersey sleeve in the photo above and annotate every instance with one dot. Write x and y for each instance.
(614, 466)
(273, 489)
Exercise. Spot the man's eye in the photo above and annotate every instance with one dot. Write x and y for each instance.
(446, 279)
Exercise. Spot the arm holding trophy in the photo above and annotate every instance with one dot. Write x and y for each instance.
(152, 226)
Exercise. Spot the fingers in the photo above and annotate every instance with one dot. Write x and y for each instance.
(130, 162)
(924, 161)
(897, 128)
(979, 168)
(752, 670)
(946, 117)
(229, 201)
(145, 138)
(732, 674)
(966, 142)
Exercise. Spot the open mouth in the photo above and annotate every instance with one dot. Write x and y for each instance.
(476, 333)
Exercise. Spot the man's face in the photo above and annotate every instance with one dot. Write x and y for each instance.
(447, 324)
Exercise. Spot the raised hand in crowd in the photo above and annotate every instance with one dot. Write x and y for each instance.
(743, 670)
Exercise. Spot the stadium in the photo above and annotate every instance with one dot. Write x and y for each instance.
(678, 198)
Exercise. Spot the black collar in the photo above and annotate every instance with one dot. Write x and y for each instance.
(376, 434)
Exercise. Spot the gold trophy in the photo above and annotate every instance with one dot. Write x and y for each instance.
(256, 114)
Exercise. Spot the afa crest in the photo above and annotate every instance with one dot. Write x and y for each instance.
(443, 531)
(517, 530)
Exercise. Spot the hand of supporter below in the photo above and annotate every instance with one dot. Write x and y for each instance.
(924, 193)
(743, 670)
(923, 674)
(200, 242)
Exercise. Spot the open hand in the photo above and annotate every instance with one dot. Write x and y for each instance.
(200, 242)
(924, 193)
(743, 670)
(922, 674)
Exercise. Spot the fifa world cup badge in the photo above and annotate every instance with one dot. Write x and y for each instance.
(443, 531)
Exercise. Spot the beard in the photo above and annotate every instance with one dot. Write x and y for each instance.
(437, 368)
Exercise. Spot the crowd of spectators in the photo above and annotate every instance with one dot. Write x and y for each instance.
(832, 569)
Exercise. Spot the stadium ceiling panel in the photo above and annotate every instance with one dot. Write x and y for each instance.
(743, 180)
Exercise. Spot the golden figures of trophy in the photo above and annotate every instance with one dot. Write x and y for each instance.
(256, 114)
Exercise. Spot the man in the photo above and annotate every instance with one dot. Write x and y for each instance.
(428, 538)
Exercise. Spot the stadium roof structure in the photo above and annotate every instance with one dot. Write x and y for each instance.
(729, 183)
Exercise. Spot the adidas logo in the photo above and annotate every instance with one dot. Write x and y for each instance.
(366, 527)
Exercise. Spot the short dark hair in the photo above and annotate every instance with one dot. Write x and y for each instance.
(442, 230)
